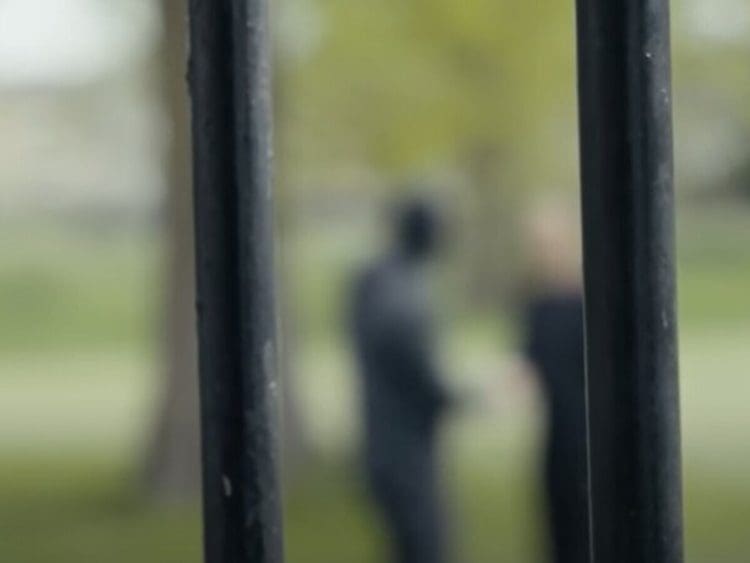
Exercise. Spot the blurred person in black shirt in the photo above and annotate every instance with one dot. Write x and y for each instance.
(404, 398)
(554, 354)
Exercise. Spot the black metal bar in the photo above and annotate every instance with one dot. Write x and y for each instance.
(229, 77)
(628, 207)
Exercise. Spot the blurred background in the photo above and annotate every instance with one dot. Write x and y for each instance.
(98, 439)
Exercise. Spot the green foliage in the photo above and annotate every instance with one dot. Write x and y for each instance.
(399, 86)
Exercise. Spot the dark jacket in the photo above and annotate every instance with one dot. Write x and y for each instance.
(555, 345)
(402, 394)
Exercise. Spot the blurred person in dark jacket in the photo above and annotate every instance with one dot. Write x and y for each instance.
(404, 399)
(554, 355)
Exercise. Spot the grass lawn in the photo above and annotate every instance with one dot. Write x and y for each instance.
(77, 386)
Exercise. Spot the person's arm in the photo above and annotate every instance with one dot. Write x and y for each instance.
(519, 373)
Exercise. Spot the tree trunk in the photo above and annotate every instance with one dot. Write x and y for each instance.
(172, 469)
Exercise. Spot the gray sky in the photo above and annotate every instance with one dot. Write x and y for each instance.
(58, 42)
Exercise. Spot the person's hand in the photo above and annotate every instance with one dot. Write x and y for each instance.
(513, 382)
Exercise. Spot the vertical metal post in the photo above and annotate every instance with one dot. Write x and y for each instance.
(626, 161)
(229, 78)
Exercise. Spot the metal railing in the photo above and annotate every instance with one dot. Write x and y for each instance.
(626, 166)
(628, 219)
(229, 78)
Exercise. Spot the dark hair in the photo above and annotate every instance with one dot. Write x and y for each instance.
(418, 227)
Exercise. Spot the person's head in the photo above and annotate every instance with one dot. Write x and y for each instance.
(553, 245)
(418, 229)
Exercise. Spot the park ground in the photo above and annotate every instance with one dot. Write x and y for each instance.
(78, 383)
